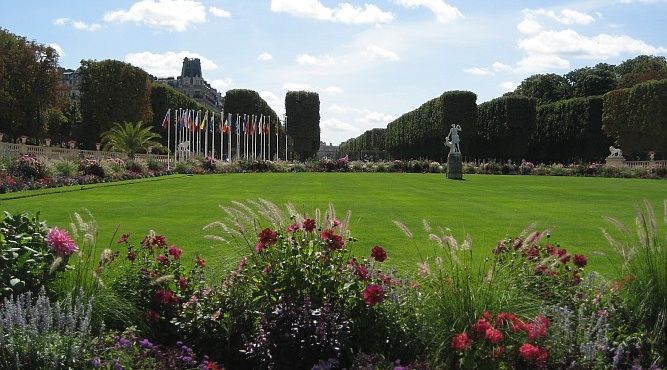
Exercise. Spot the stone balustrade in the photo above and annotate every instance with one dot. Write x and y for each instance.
(49, 152)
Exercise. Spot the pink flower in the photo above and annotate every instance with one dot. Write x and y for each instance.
(580, 260)
(461, 342)
(164, 260)
(494, 336)
(293, 227)
(362, 272)
(332, 240)
(309, 224)
(182, 283)
(123, 238)
(379, 253)
(529, 352)
(175, 252)
(259, 247)
(373, 294)
(166, 297)
(480, 327)
(60, 242)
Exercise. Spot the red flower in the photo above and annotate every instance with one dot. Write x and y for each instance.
(131, 256)
(373, 294)
(461, 342)
(542, 357)
(378, 253)
(309, 224)
(332, 240)
(200, 262)
(362, 272)
(480, 327)
(579, 260)
(152, 316)
(182, 283)
(160, 240)
(123, 238)
(529, 352)
(165, 296)
(268, 237)
(175, 252)
(494, 336)
(538, 328)
(293, 227)
(164, 260)
(532, 253)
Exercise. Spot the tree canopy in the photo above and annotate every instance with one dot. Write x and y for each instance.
(545, 88)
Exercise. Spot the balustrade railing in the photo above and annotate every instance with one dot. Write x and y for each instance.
(49, 152)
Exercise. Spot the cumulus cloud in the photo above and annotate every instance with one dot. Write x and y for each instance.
(79, 25)
(223, 84)
(171, 15)
(565, 16)
(344, 13)
(58, 49)
(571, 43)
(529, 26)
(264, 57)
(219, 12)
(276, 103)
(444, 13)
(479, 71)
(378, 52)
(307, 59)
(166, 64)
(509, 86)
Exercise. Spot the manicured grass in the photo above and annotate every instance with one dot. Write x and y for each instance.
(486, 207)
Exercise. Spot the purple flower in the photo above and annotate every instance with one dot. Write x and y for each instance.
(96, 362)
(60, 242)
(145, 343)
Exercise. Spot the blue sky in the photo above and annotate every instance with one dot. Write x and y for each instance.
(370, 60)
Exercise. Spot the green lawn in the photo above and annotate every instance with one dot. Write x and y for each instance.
(486, 207)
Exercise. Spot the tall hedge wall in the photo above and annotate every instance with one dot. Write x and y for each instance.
(504, 127)
(421, 133)
(164, 97)
(371, 143)
(303, 122)
(570, 131)
(636, 118)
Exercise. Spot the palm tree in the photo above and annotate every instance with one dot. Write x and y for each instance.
(130, 138)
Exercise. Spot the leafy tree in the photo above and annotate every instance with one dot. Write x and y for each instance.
(29, 86)
(545, 88)
(164, 97)
(112, 91)
(588, 81)
(636, 118)
(303, 119)
(130, 138)
(641, 69)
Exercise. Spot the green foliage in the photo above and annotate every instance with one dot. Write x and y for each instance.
(303, 117)
(570, 131)
(111, 92)
(130, 138)
(594, 81)
(545, 88)
(164, 97)
(641, 69)
(369, 145)
(421, 133)
(29, 86)
(504, 127)
(636, 118)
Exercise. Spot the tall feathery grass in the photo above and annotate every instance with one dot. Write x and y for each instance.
(644, 267)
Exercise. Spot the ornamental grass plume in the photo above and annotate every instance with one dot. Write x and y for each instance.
(60, 242)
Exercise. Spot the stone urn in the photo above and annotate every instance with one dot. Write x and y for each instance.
(72, 144)
(47, 141)
(24, 139)
(98, 146)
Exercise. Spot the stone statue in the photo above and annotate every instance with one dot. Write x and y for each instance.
(651, 154)
(452, 140)
(615, 152)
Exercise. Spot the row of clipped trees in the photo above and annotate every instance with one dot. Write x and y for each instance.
(548, 118)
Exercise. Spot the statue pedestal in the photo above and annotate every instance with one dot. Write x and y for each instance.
(454, 166)
(615, 161)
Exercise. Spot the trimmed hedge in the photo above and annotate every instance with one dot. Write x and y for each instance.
(303, 118)
(372, 142)
(164, 97)
(569, 131)
(421, 133)
(504, 127)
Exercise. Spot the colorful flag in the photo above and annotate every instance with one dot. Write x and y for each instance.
(167, 118)
(211, 126)
(204, 121)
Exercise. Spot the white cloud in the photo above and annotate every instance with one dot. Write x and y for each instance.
(344, 13)
(540, 63)
(294, 86)
(79, 25)
(509, 86)
(378, 52)
(334, 90)
(222, 85)
(58, 49)
(166, 64)
(529, 26)
(570, 42)
(171, 15)
(565, 16)
(219, 12)
(444, 12)
(331, 125)
(264, 57)
(501, 67)
(479, 71)
(307, 59)
(277, 104)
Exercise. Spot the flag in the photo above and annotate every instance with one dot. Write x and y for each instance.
(204, 121)
(195, 126)
(211, 126)
(167, 118)
(224, 128)
(191, 123)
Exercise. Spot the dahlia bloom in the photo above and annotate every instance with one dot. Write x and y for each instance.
(379, 253)
(60, 242)
(373, 294)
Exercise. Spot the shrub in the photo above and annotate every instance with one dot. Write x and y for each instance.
(155, 165)
(66, 168)
(91, 167)
(136, 166)
(27, 167)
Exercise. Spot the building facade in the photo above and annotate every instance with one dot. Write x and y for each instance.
(327, 151)
(192, 84)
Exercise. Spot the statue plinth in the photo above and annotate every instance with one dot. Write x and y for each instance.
(454, 166)
(615, 161)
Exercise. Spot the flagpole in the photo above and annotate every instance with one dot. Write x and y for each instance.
(168, 142)
(238, 138)
(277, 140)
(229, 139)
(286, 137)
